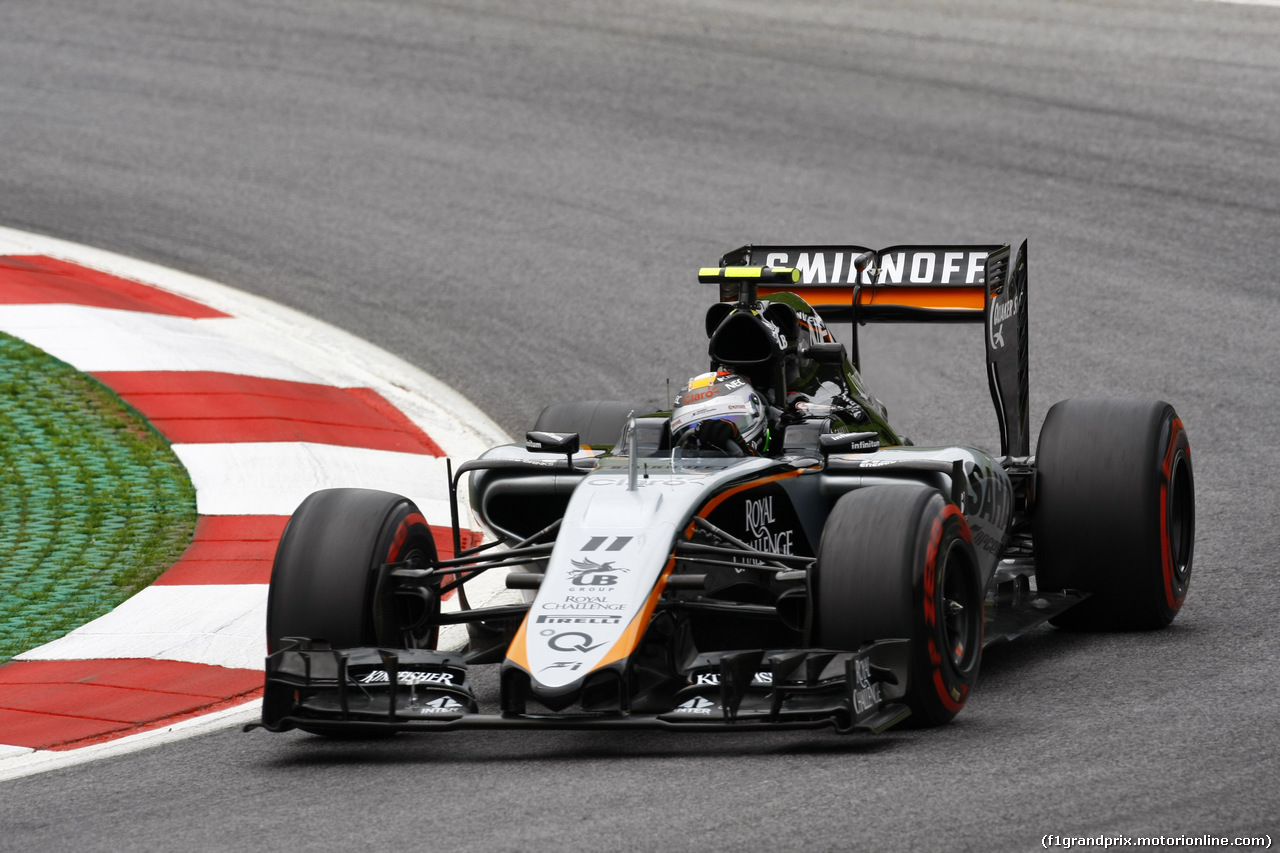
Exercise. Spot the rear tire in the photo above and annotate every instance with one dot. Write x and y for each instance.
(1115, 511)
(897, 562)
(597, 422)
(327, 582)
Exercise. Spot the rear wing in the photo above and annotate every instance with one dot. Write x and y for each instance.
(902, 284)
(921, 284)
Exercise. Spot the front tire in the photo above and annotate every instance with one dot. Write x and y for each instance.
(897, 562)
(328, 581)
(1115, 511)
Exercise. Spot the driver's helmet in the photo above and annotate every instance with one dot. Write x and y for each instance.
(719, 411)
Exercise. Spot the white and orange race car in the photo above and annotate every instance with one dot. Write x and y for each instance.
(770, 553)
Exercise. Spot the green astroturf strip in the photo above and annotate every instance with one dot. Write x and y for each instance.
(94, 504)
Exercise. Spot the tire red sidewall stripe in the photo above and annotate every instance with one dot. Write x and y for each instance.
(1166, 551)
(930, 607)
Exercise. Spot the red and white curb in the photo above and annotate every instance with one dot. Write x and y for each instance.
(263, 405)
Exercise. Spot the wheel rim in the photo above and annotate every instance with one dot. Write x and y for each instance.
(405, 620)
(960, 611)
(421, 632)
(1181, 521)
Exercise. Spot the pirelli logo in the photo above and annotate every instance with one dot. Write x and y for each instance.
(928, 266)
(582, 619)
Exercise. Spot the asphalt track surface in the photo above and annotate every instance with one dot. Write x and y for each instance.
(514, 197)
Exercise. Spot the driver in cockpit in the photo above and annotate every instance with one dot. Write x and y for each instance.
(720, 411)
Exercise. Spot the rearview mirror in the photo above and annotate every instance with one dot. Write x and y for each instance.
(551, 442)
(826, 353)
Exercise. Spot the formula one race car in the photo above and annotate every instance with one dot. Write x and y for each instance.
(768, 554)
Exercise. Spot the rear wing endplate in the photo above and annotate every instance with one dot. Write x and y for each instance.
(922, 284)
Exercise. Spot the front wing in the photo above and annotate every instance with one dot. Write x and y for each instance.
(320, 689)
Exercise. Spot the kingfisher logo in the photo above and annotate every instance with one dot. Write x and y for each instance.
(409, 678)
(1002, 310)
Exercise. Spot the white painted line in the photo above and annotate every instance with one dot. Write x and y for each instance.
(272, 478)
(29, 762)
(218, 625)
(93, 340)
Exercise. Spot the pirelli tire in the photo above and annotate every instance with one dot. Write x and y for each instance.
(1115, 511)
(330, 581)
(898, 562)
(598, 423)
